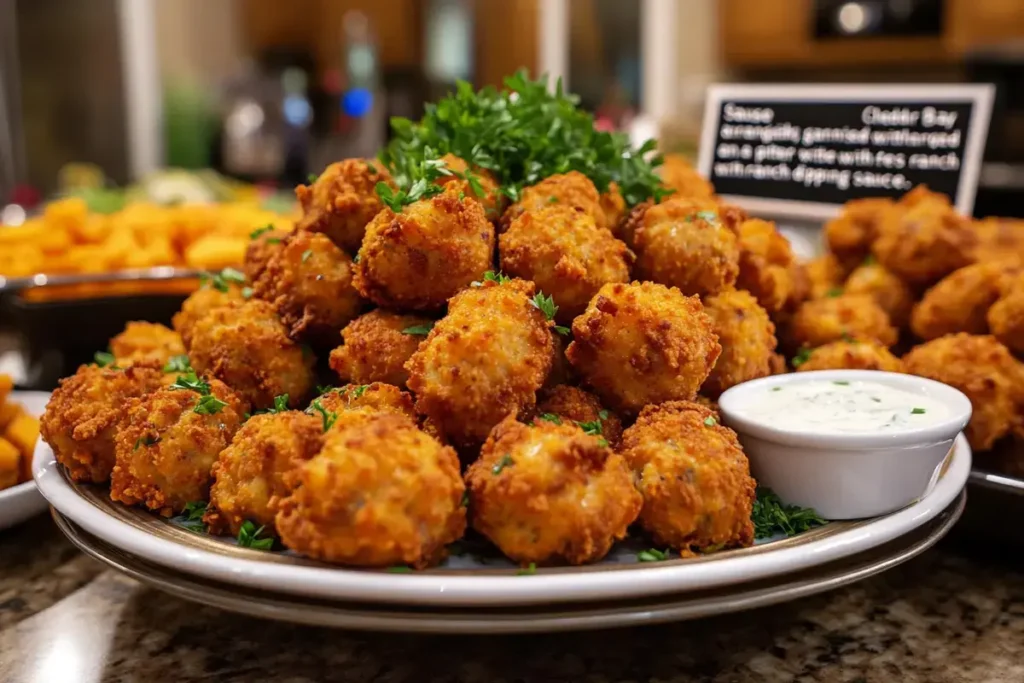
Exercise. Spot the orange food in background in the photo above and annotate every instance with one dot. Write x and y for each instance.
(19, 432)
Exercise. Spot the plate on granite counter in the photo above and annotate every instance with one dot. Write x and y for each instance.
(476, 579)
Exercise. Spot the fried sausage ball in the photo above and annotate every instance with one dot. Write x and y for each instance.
(419, 258)
(379, 493)
(376, 346)
(548, 493)
(643, 343)
(747, 337)
(255, 468)
(694, 478)
(678, 174)
(825, 276)
(82, 415)
(247, 347)
(202, 301)
(925, 242)
(260, 249)
(999, 239)
(821, 321)
(309, 281)
(849, 236)
(573, 190)
(851, 355)
(682, 247)
(766, 264)
(485, 359)
(142, 341)
(985, 371)
(168, 442)
(342, 201)
(565, 254)
(366, 399)
(636, 217)
(888, 291)
(490, 195)
(1006, 317)
(575, 405)
(959, 302)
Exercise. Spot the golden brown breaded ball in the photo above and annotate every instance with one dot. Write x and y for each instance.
(572, 189)
(678, 174)
(637, 215)
(490, 195)
(1006, 317)
(821, 321)
(256, 467)
(379, 493)
(576, 405)
(960, 301)
(565, 254)
(925, 242)
(484, 360)
(418, 259)
(825, 276)
(778, 366)
(643, 343)
(82, 415)
(200, 302)
(342, 201)
(309, 282)
(366, 399)
(142, 341)
(686, 248)
(766, 264)
(260, 249)
(167, 444)
(747, 337)
(376, 345)
(851, 355)
(614, 205)
(888, 291)
(985, 371)
(999, 239)
(548, 493)
(247, 347)
(694, 478)
(849, 235)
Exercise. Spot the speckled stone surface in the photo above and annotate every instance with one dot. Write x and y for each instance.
(945, 616)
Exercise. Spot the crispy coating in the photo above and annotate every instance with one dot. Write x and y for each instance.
(960, 301)
(821, 321)
(309, 282)
(777, 364)
(925, 242)
(565, 254)
(572, 189)
(694, 478)
(342, 201)
(259, 251)
(379, 493)
(484, 360)
(851, 355)
(747, 337)
(985, 371)
(366, 399)
(766, 264)
(849, 235)
(562, 372)
(375, 348)
(683, 247)
(202, 301)
(888, 291)
(247, 347)
(549, 493)
(825, 276)
(82, 415)
(256, 467)
(999, 239)
(1006, 317)
(643, 343)
(418, 259)
(678, 174)
(165, 450)
(577, 405)
(614, 206)
(490, 195)
(142, 341)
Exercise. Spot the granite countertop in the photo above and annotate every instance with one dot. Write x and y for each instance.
(945, 616)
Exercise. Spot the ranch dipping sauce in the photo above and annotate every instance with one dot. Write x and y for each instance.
(849, 407)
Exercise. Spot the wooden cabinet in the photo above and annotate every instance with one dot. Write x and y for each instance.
(972, 24)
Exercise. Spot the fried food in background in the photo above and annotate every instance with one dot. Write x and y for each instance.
(142, 341)
(19, 432)
(490, 195)
(836, 318)
(200, 303)
(342, 200)
(309, 282)
(678, 174)
(574, 404)
(365, 399)
(766, 264)
(694, 478)
(82, 415)
(484, 360)
(379, 493)
(166, 446)
(999, 239)
(376, 345)
(1006, 317)
(850, 235)
(888, 291)
(547, 493)
(264, 244)
(825, 276)
(246, 346)
(747, 338)
(960, 301)
(643, 343)
(565, 254)
(573, 190)
(851, 355)
(254, 469)
(417, 259)
(681, 246)
(986, 372)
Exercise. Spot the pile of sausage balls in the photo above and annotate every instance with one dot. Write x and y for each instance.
(544, 372)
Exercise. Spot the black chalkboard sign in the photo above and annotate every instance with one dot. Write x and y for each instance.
(802, 151)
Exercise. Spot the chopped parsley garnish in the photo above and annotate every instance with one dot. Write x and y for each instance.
(876, 399)
(193, 515)
(324, 388)
(848, 338)
(528, 570)
(306, 255)
(710, 421)
(841, 382)
(602, 414)
(465, 499)
(356, 259)
(398, 570)
(220, 281)
(147, 440)
(833, 292)
(357, 391)
(178, 364)
(280, 406)
(396, 199)
(545, 304)
(802, 356)
(776, 388)
(653, 555)
(771, 516)
(259, 231)
(329, 417)
(209, 405)
(552, 199)
(506, 461)
(917, 411)
(706, 216)
(563, 330)
(870, 260)
(591, 428)
(551, 417)
(104, 359)
(249, 537)
(421, 330)
(312, 178)
(246, 292)
(191, 382)
(491, 276)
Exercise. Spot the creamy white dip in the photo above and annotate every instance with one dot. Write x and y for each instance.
(856, 407)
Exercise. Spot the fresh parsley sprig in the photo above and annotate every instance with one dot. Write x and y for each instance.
(193, 515)
(178, 364)
(546, 305)
(329, 417)
(419, 330)
(105, 359)
(771, 516)
(653, 555)
(249, 537)
(222, 281)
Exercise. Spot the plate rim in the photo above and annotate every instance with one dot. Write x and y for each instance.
(441, 589)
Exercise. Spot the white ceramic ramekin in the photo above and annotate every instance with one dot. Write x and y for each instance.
(842, 475)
